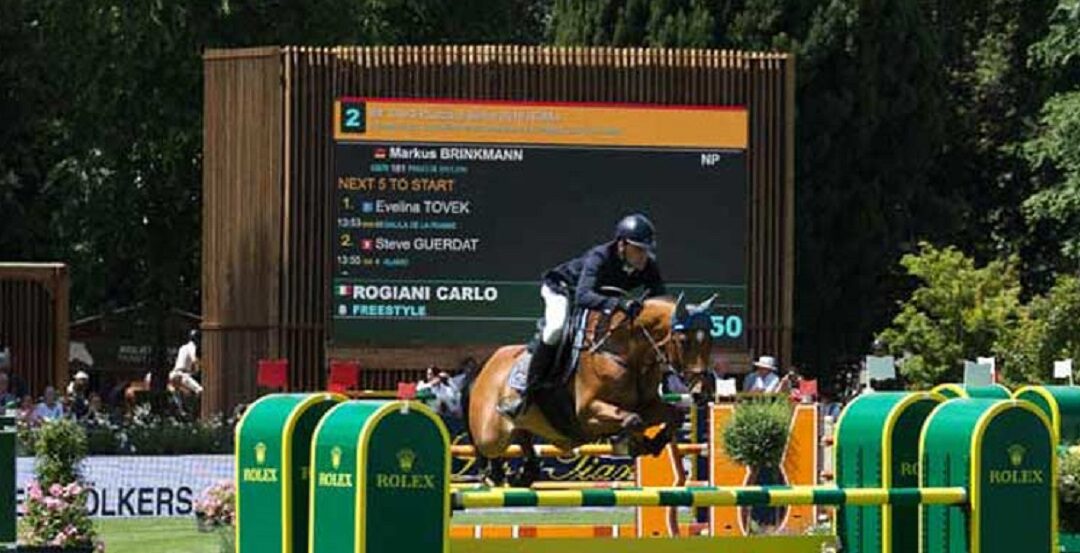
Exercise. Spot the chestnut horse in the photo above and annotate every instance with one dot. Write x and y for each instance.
(615, 391)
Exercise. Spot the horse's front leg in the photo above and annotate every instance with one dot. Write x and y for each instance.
(600, 418)
(657, 412)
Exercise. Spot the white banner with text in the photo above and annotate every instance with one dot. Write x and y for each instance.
(150, 486)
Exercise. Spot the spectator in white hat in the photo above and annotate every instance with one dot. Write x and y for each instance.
(764, 378)
(77, 392)
(79, 384)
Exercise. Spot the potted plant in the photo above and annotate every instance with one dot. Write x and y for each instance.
(215, 511)
(757, 437)
(55, 518)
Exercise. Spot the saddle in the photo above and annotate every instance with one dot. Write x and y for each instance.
(555, 398)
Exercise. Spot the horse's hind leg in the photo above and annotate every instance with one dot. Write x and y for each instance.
(492, 471)
(529, 471)
(491, 437)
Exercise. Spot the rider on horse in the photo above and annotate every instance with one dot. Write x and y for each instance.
(626, 262)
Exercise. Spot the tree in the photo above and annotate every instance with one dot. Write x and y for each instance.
(656, 23)
(1053, 148)
(1029, 348)
(959, 311)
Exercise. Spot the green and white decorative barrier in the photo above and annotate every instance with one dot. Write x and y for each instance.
(877, 446)
(1004, 454)
(985, 473)
(1061, 404)
(273, 449)
(381, 479)
(952, 391)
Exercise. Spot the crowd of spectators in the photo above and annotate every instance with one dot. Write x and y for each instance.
(80, 401)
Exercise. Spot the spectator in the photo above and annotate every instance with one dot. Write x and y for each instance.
(433, 377)
(15, 384)
(8, 400)
(763, 379)
(49, 408)
(77, 390)
(95, 410)
(829, 406)
(187, 363)
(79, 384)
(790, 384)
(26, 410)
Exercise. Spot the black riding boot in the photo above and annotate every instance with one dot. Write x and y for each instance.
(539, 367)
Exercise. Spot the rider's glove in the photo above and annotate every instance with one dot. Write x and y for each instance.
(631, 307)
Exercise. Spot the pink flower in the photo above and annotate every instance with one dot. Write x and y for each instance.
(60, 539)
(34, 491)
(56, 490)
(73, 489)
(53, 504)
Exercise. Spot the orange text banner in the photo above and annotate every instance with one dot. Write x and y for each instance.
(399, 120)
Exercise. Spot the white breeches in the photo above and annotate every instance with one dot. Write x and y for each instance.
(555, 308)
(186, 381)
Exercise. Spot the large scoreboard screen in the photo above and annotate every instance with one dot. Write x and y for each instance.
(447, 213)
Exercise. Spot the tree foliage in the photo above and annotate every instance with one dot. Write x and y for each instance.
(959, 311)
(1050, 333)
(100, 160)
(1053, 148)
(949, 121)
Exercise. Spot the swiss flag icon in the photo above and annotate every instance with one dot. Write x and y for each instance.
(366, 244)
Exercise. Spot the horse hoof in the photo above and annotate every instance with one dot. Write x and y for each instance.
(526, 475)
(633, 422)
(492, 476)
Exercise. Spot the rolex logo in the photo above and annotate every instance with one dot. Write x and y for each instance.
(406, 457)
(335, 457)
(260, 453)
(1016, 454)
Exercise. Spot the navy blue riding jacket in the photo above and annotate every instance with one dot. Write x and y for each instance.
(601, 266)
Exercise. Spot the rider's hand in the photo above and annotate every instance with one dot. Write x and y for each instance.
(631, 307)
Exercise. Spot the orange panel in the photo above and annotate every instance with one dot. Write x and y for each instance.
(800, 464)
(724, 472)
(504, 122)
(662, 470)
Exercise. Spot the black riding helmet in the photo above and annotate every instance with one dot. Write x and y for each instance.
(638, 230)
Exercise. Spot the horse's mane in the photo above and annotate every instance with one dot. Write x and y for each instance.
(659, 306)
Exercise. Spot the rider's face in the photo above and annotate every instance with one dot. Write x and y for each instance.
(636, 256)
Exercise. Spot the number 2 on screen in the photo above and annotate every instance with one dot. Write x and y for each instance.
(352, 117)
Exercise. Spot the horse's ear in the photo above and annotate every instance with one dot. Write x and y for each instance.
(705, 306)
(680, 314)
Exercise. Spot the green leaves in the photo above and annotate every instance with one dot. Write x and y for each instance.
(1069, 491)
(757, 434)
(961, 311)
(655, 23)
(60, 446)
(958, 311)
(1054, 152)
(1050, 332)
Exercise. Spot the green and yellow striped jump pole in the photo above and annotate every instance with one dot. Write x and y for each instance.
(706, 497)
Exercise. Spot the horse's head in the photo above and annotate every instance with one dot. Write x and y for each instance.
(680, 334)
(690, 349)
